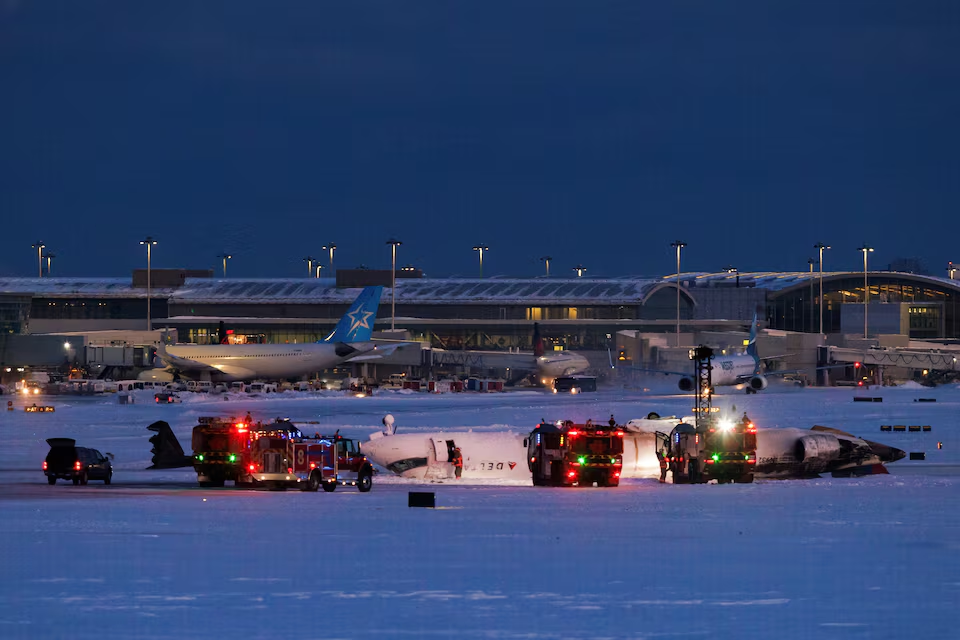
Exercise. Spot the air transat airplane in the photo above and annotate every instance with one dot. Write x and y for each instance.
(349, 341)
(781, 453)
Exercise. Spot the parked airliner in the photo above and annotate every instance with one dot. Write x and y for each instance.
(731, 370)
(349, 341)
(545, 366)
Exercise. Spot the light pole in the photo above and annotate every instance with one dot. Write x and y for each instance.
(951, 270)
(820, 246)
(394, 243)
(319, 270)
(866, 290)
(810, 262)
(39, 247)
(309, 261)
(49, 256)
(678, 245)
(149, 242)
(225, 257)
(331, 248)
(546, 260)
(481, 248)
(580, 269)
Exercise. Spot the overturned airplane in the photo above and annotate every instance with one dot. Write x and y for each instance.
(781, 453)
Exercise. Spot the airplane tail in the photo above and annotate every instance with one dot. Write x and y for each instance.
(357, 323)
(752, 342)
(167, 452)
(537, 341)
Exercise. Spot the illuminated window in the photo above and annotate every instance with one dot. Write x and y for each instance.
(534, 313)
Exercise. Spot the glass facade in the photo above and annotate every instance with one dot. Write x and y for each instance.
(934, 310)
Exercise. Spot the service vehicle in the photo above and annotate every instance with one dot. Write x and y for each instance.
(274, 455)
(68, 461)
(351, 467)
(166, 398)
(574, 384)
(567, 454)
(220, 450)
(715, 449)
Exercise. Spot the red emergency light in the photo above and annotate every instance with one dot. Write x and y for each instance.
(44, 465)
(571, 474)
(573, 433)
(253, 467)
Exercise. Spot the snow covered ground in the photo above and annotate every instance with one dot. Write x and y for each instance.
(153, 556)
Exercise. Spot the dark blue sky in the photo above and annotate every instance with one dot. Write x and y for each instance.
(595, 132)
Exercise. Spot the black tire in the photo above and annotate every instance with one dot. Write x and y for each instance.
(329, 487)
(746, 478)
(76, 480)
(218, 482)
(313, 482)
(51, 480)
(84, 479)
(365, 481)
(109, 478)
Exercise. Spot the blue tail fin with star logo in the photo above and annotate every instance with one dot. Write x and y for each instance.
(357, 324)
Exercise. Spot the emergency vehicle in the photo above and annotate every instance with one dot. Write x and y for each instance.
(277, 456)
(718, 449)
(567, 454)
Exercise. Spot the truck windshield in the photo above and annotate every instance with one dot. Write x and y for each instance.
(597, 445)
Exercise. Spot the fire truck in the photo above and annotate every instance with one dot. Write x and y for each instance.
(331, 461)
(276, 456)
(720, 449)
(567, 454)
(220, 451)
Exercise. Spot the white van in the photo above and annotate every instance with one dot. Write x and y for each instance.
(129, 385)
(238, 387)
(262, 387)
(199, 386)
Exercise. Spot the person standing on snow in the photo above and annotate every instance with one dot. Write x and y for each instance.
(457, 461)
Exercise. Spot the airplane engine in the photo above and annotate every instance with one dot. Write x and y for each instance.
(817, 450)
(758, 383)
(686, 384)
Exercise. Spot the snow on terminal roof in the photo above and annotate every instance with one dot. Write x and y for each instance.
(411, 291)
(780, 280)
(78, 287)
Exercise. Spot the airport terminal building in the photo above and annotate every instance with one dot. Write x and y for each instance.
(491, 313)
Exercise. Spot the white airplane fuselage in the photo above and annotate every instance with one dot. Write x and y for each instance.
(231, 362)
(563, 363)
(502, 455)
(731, 370)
